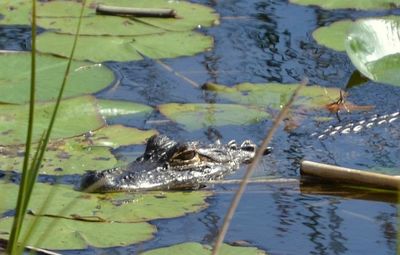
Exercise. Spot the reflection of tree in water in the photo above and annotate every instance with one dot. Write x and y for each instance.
(210, 221)
(336, 237)
(285, 210)
(388, 227)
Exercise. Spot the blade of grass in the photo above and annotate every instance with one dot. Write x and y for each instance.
(23, 195)
(42, 149)
(250, 170)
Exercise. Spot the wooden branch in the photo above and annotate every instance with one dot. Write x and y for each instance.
(348, 175)
(137, 12)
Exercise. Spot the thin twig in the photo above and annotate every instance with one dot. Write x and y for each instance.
(250, 170)
(179, 75)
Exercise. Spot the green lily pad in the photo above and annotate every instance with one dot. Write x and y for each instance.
(15, 12)
(115, 207)
(275, 95)
(373, 46)
(62, 16)
(354, 4)
(190, 15)
(113, 108)
(333, 36)
(197, 116)
(192, 248)
(76, 116)
(117, 135)
(84, 78)
(78, 154)
(67, 234)
(125, 48)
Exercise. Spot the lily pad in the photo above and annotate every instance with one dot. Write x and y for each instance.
(275, 95)
(114, 207)
(65, 234)
(15, 12)
(78, 154)
(197, 116)
(354, 4)
(114, 108)
(192, 248)
(84, 78)
(190, 16)
(167, 45)
(333, 36)
(373, 46)
(76, 116)
(62, 16)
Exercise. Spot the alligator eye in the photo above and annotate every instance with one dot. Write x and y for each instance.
(185, 155)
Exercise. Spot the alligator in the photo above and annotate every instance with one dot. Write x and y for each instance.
(170, 165)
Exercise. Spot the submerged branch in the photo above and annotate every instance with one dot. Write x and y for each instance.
(137, 12)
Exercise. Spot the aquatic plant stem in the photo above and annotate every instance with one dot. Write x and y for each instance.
(23, 195)
(250, 170)
(45, 139)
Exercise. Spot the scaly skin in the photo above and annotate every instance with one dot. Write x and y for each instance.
(167, 164)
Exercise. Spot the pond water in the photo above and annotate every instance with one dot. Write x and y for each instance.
(266, 41)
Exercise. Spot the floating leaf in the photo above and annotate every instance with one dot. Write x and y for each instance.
(15, 12)
(275, 95)
(166, 45)
(333, 36)
(113, 108)
(112, 207)
(196, 116)
(354, 4)
(67, 234)
(190, 15)
(117, 135)
(63, 16)
(76, 116)
(200, 249)
(78, 154)
(84, 78)
(373, 46)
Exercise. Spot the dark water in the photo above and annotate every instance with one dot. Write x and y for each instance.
(266, 41)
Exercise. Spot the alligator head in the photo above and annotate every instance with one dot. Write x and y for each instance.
(167, 164)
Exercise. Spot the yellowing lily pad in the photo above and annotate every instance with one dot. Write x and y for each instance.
(197, 116)
(167, 45)
(78, 154)
(65, 234)
(76, 116)
(275, 95)
(84, 78)
(115, 207)
(353, 4)
(373, 46)
(192, 248)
